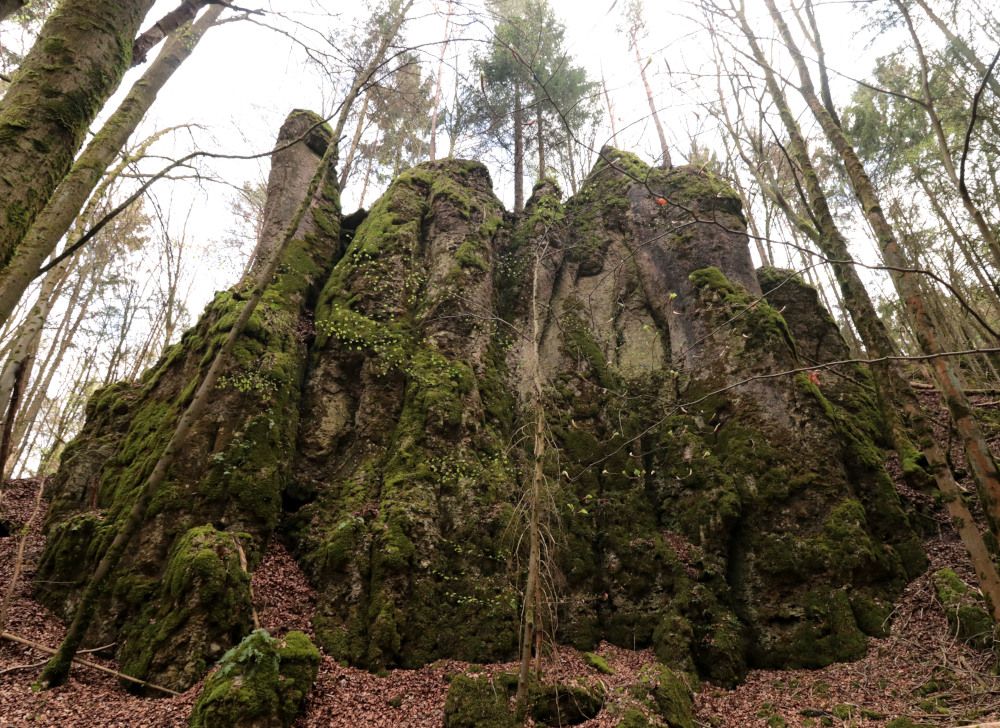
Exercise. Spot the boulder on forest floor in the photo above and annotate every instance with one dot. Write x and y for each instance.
(966, 611)
(260, 683)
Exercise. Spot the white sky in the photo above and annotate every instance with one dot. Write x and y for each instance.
(242, 80)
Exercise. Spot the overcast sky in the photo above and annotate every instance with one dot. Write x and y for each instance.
(243, 78)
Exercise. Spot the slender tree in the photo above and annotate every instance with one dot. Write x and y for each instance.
(908, 285)
(77, 62)
(635, 26)
(57, 217)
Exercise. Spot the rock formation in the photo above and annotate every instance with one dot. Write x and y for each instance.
(700, 501)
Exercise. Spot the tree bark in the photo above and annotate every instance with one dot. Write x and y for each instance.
(436, 106)
(75, 64)
(518, 151)
(345, 171)
(540, 123)
(73, 191)
(181, 15)
(611, 110)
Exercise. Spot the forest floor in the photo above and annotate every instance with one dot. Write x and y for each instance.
(919, 671)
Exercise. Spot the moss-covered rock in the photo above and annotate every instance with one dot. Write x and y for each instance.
(478, 702)
(966, 610)
(200, 605)
(558, 704)
(665, 699)
(598, 663)
(260, 683)
(704, 503)
(232, 472)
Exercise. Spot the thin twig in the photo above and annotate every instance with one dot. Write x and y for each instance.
(86, 663)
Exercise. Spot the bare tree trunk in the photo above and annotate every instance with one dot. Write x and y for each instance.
(968, 253)
(53, 222)
(985, 230)
(539, 123)
(654, 113)
(518, 150)
(364, 187)
(345, 172)
(436, 106)
(181, 15)
(611, 110)
(532, 627)
(77, 62)
(17, 368)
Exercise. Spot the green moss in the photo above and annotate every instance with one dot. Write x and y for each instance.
(761, 324)
(598, 663)
(478, 703)
(634, 718)
(665, 694)
(966, 610)
(201, 602)
(558, 704)
(261, 681)
(468, 257)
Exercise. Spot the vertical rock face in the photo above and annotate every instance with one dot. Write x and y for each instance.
(180, 597)
(699, 501)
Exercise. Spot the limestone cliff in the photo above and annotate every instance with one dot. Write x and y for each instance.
(374, 419)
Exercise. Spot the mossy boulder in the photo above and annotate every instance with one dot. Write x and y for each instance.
(261, 683)
(666, 698)
(598, 663)
(478, 702)
(558, 704)
(966, 610)
(197, 608)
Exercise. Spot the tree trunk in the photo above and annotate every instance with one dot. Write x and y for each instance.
(531, 627)
(985, 230)
(181, 15)
(666, 163)
(436, 106)
(77, 62)
(345, 172)
(17, 368)
(611, 110)
(73, 191)
(518, 151)
(907, 284)
(540, 131)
